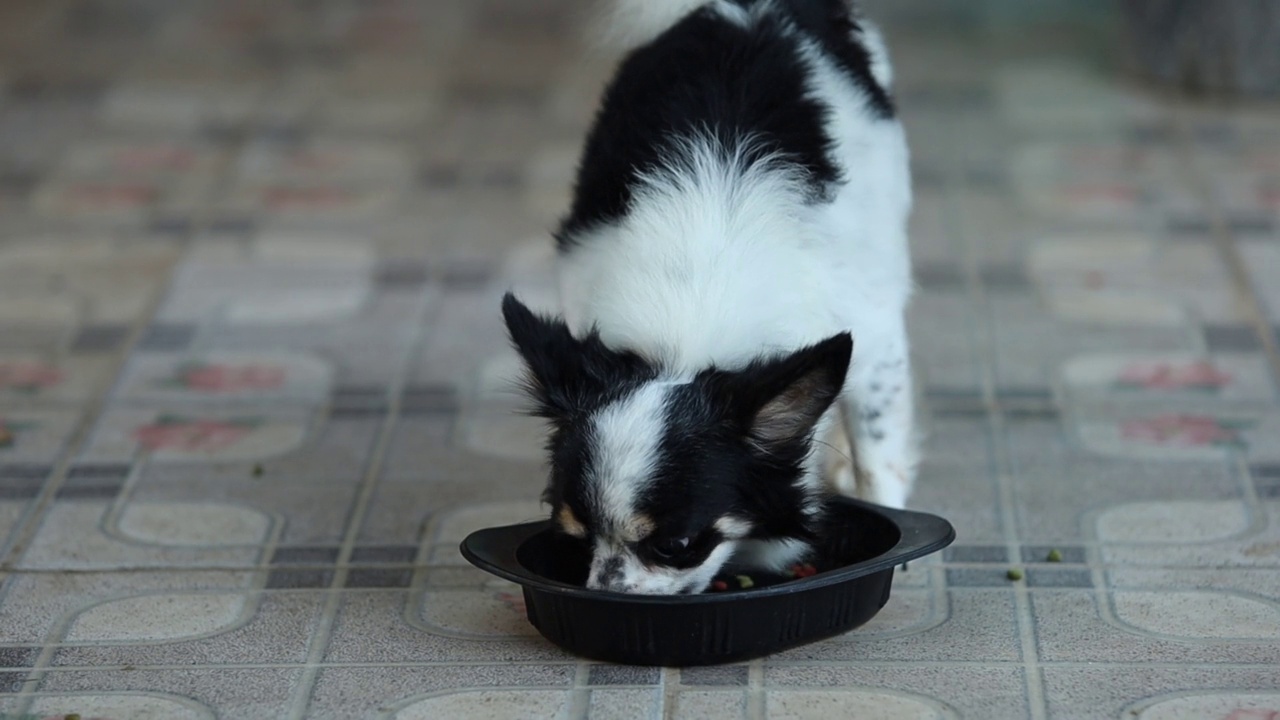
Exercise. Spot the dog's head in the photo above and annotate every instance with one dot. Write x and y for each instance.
(665, 479)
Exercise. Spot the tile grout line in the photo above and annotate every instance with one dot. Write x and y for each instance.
(668, 686)
(580, 693)
(318, 644)
(755, 690)
(981, 325)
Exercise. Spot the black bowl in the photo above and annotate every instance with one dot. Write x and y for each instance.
(863, 544)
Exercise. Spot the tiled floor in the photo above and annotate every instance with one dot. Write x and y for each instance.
(251, 372)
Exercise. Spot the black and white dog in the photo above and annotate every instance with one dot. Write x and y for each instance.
(739, 221)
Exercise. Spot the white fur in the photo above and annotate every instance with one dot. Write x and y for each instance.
(627, 434)
(873, 40)
(770, 555)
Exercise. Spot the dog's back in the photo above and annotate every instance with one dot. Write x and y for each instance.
(735, 193)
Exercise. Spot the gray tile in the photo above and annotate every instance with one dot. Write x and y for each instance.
(11, 682)
(1058, 577)
(623, 675)
(304, 556)
(371, 628)
(974, 691)
(429, 399)
(971, 624)
(734, 675)
(18, 657)
(355, 401)
(1231, 338)
(343, 693)
(1072, 554)
(167, 337)
(467, 276)
(20, 488)
(976, 554)
(235, 692)
(1117, 691)
(1005, 278)
(391, 554)
(93, 482)
(232, 226)
(100, 338)
(176, 228)
(1070, 628)
(978, 577)
(296, 579)
(276, 629)
(932, 276)
(401, 274)
(23, 471)
(378, 578)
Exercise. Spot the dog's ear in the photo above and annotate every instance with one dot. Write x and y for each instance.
(787, 396)
(550, 353)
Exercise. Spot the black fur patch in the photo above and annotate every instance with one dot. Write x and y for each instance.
(708, 75)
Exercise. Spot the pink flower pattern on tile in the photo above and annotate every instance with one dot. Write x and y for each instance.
(170, 432)
(1118, 194)
(1200, 375)
(29, 377)
(513, 601)
(113, 195)
(1181, 430)
(294, 198)
(218, 378)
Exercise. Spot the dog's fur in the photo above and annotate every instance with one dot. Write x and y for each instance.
(739, 222)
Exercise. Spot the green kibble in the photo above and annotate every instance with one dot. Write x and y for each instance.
(1054, 556)
(72, 716)
(258, 470)
(745, 581)
(1014, 574)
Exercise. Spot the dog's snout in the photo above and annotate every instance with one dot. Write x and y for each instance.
(610, 572)
(607, 574)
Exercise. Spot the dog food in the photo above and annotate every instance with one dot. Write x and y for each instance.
(746, 582)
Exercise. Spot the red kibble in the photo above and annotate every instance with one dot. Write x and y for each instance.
(803, 571)
(719, 585)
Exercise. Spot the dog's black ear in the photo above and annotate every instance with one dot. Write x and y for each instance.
(789, 395)
(551, 355)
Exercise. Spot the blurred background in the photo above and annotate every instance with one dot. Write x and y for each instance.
(253, 387)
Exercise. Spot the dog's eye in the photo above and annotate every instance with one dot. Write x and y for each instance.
(670, 547)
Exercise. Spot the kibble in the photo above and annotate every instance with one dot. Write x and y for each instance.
(1014, 574)
(1054, 556)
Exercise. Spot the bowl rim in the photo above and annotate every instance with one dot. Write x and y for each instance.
(494, 551)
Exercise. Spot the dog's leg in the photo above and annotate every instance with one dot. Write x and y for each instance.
(878, 413)
(840, 465)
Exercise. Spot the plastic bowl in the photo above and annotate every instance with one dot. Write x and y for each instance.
(863, 544)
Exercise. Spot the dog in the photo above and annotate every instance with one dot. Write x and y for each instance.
(738, 223)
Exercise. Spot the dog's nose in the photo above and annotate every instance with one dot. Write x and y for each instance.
(609, 576)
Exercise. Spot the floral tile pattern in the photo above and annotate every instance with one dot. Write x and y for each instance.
(254, 389)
